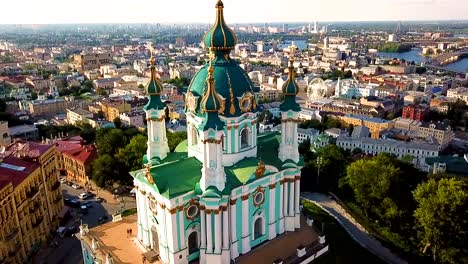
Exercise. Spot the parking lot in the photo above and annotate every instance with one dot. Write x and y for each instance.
(69, 248)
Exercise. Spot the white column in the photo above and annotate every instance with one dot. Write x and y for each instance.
(297, 201)
(225, 228)
(145, 227)
(234, 238)
(181, 228)
(209, 238)
(281, 210)
(218, 224)
(285, 198)
(203, 228)
(245, 225)
(272, 221)
(291, 198)
(140, 209)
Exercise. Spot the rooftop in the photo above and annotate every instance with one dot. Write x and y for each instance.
(368, 119)
(112, 238)
(172, 185)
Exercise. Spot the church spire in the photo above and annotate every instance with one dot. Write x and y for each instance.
(211, 104)
(154, 88)
(290, 88)
(220, 37)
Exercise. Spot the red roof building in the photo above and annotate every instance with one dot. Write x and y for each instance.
(415, 112)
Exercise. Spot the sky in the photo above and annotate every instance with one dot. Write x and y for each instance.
(236, 11)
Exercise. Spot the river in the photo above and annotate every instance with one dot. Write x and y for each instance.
(415, 55)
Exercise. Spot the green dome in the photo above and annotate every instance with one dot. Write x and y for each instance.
(220, 37)
(230, 82)
(290, 90)
(153, 91)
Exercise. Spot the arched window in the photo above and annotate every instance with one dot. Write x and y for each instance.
(245, 138)
(193, 243)
(258, 228)
(223, 144)
(154, 234)
(194, 138)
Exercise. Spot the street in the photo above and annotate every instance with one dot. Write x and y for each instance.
(69, 248)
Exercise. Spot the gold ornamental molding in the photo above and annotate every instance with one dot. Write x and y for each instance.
(291, 120)
(208, 211)
(272, 186)
(233, 201)
(212, 141)
(173, 210)
(298, 177)
(156, 119)
(216, 211)
(245, 197)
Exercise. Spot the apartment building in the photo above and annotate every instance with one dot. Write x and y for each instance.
(77, 115)
(30, 199)
(86, 62)
(458, 93)
(439, 131)
(75, 159)
(375, 125)
(112, 108)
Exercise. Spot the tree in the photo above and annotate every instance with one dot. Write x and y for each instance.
(174, 139)
(3, 105)
(110, 140)
(104, 168)
(441, 217)
(88, 84)
(382, 186)
(88, 134)
(304, 147)
(131, 155)
(117, 122)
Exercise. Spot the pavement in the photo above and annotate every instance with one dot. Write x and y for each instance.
(69, 248)
(354, 229)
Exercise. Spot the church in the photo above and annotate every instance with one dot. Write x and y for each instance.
(227, 188)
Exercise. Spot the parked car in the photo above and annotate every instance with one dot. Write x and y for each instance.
(69, 183)
(75, 203)
(99, 199)
(76, 186)
(63, 180)
(84, 195)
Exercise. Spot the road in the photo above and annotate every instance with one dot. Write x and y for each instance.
(69, 248)
(354, 229)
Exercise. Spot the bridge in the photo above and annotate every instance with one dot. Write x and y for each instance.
(447, 58)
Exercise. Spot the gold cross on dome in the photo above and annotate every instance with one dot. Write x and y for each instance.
(151, 49)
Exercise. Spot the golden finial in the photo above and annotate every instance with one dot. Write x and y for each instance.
(210, 72)
(292, 50)
(151, 49)
(219, 4)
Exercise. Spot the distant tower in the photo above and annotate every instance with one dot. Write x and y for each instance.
(53, 91)
(285, 28)
(155, 109)
(315, 27)
(338, 88)
(288, 149)
(326, 41)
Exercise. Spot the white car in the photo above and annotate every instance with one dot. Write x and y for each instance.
(63, 180)
(76, 186)
(83, 196)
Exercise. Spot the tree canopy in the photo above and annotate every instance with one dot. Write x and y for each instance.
(442, 218)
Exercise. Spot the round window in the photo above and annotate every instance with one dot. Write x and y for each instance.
(259, 198)
(192, 211)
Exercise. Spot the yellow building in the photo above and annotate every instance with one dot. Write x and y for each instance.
(30, 199)
(112, 108)
(375, 125)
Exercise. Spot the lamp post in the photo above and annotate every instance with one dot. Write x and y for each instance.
(319, 162)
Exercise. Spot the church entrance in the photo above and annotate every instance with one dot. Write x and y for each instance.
(258, 228)
(193, 246)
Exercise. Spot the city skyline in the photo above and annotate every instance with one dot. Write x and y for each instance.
(239, 11)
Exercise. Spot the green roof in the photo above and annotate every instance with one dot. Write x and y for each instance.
(168, 183)
(455, 165)
(180, 174)
(220, 36)
(290, 90)
(153, 91)
(231, 83)
(212, 121)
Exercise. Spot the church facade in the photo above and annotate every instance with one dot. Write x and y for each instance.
(226, 189)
